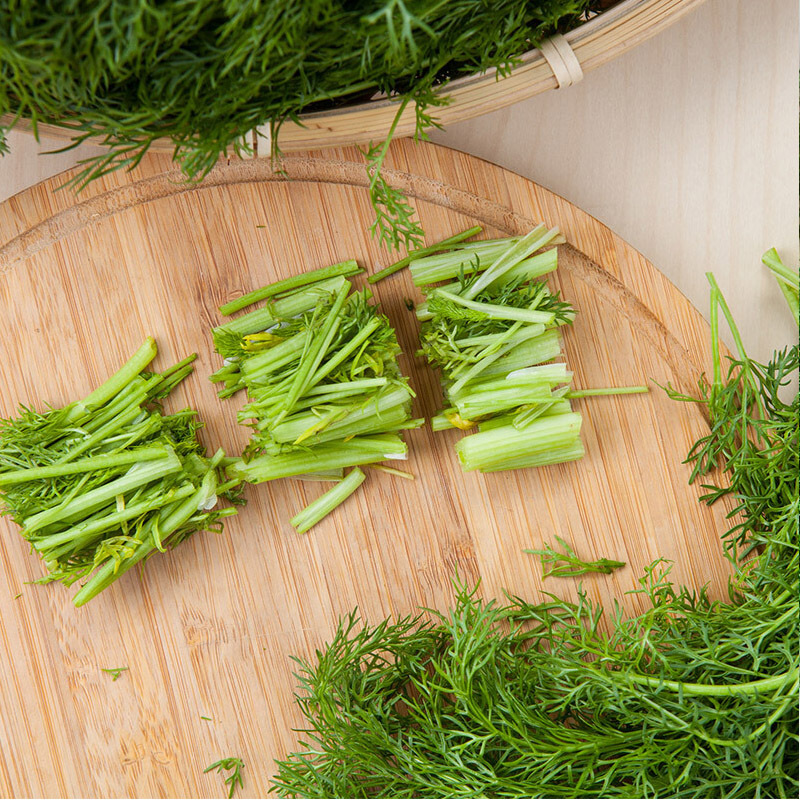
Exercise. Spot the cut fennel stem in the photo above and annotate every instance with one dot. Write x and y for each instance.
(317, 510)
(346, 268)
(493, 449)
(325, 456)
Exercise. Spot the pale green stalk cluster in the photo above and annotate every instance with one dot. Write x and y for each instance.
(319, 364)
(494, 332)
(101, 484)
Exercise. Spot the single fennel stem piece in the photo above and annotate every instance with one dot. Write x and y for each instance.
(788, 280)
(137, 362)
(718, 302)
(568, 565)
(606, 392)
(398, 473)
(282, 308)
(324, 456)
(85, 465)
(345, 268)
(445, 244)
(315, 511)
(232, 765)
(492, 311)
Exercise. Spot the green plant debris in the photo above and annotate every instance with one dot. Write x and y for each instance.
(568, 565)
(232, 765)
(114, 672)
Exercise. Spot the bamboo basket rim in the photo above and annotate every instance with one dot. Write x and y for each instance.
(586, 29)
(595, 42)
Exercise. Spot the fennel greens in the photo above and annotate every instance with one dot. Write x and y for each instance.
(205, 75)
(692, 698)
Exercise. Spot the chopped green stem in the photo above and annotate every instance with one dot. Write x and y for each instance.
(178, 367)
(103, 393)
(572, 395)
(283, 308)
(540, 458)
(525, 270)
(346, 268)
(346, 351)
(499, 446)
(325, 475)
(325, 456)
(317, 510)
(398, 473)
(445, 244)
(522, 249)
(84, 465)
(492, 311)
(526, 351)
(469, 258)
(441, 422)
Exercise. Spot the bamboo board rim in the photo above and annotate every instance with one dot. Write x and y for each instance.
(597, 41)
(310, 169)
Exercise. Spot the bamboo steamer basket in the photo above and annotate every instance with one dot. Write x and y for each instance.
(599, 40)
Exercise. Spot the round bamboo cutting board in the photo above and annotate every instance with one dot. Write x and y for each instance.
(207, 630)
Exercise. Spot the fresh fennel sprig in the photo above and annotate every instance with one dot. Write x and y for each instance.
(567, 565)
(692, 698)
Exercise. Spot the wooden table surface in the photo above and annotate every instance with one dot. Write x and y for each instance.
(687, 147)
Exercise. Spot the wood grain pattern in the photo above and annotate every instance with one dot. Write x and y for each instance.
(207, 630)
